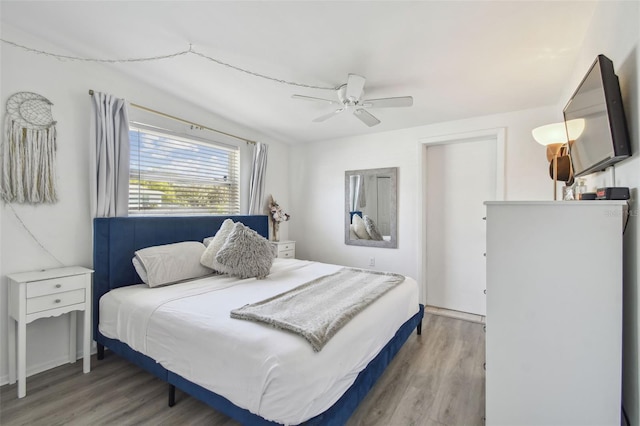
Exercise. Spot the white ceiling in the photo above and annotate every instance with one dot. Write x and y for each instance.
(457, 59)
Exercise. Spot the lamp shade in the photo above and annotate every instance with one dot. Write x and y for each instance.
(550, 134)
(575, 128)
(557, 132)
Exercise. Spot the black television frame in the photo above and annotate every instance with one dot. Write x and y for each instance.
(617, 121)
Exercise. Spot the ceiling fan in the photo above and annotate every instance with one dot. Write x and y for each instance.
(350, 95)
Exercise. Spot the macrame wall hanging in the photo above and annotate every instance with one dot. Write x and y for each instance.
(28, 150)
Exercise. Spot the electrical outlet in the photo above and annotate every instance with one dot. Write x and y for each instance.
(372, 261)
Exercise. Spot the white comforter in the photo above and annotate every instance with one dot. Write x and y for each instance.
(272, 373)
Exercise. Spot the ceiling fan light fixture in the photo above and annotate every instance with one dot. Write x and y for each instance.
(350, 97)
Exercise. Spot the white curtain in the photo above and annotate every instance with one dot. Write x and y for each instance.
(258, 176)
(354, 192)
(109, 161)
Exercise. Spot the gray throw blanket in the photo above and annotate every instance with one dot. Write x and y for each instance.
(318, 309)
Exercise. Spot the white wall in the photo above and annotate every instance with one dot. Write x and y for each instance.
(65, 228)
(317, 182)
(615, 32)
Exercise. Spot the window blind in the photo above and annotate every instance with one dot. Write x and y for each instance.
(173, 174)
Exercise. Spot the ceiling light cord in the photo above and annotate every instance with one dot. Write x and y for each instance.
(255, 74)
(169, 56)
(77, 58)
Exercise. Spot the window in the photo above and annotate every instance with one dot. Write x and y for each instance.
(173, 174)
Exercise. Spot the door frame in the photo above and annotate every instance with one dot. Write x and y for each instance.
(499, 135)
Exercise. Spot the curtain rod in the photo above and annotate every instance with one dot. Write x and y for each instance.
(172, 117)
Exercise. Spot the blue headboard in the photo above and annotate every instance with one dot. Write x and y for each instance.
(115, 239)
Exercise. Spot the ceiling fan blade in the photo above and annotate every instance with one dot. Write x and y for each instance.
(402, 101)
(355, 87)
(311, 98)
(328, 116)
(366, 117)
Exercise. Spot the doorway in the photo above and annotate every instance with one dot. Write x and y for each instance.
(460, 173)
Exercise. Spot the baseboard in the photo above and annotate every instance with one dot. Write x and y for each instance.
(450, 313)
(44, 366)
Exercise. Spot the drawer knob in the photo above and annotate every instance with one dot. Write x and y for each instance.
(57, 301)
(58, 285)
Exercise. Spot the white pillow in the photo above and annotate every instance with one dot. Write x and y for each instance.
(208, 258)
(246, 253)
(170, 263)
(139, 267)
(352, 233)
(359, 228)
(372, 229)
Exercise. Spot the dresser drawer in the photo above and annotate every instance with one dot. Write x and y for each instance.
(54, 301)
(55, 285)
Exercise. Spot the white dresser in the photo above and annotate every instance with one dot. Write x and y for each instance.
(43, 294)
(285, 249)
(554, 313)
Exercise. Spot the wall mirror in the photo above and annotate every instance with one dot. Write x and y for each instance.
(371, 195)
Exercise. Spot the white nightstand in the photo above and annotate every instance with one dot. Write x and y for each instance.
(44, 294)
(286, 249)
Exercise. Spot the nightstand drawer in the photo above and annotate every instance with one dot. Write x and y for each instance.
(282, 247)
(55, 285)
(288, 254)
(53, 301)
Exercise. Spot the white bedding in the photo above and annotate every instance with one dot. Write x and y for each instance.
(186, 327)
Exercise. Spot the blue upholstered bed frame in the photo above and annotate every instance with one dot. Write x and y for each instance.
(116, 240)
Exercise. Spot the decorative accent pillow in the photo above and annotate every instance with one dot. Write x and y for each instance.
(372, 229)
(359, 228)
(170, 263)
(208, 258)
(246, 253)
(207, 241)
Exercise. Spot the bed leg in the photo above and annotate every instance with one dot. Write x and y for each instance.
(172, 395)
(419, 328)
(100, 351)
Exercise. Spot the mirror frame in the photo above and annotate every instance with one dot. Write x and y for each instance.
(393, 241)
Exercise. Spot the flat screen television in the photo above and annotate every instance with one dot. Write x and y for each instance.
(595, 116)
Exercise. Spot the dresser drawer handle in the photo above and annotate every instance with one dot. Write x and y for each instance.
(58, 285)
(57, 301)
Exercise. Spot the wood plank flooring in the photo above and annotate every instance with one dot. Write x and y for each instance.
(436, 379)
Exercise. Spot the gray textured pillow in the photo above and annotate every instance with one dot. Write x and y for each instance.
(246, 253)
(372, 229)
(208, 258)
(170, 263)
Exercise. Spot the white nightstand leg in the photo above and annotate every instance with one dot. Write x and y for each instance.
(73, 336)
(86, 341)
(22, 359)
(12, 350)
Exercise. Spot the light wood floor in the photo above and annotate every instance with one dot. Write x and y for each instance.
(436, 379)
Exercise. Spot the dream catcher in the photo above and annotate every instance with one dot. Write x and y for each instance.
(28, 150)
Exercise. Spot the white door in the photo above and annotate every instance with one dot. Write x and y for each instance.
(460, 177)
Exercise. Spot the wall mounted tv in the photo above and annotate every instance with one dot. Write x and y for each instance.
(597, 106)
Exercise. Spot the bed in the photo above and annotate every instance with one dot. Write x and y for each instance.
(252, 372)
